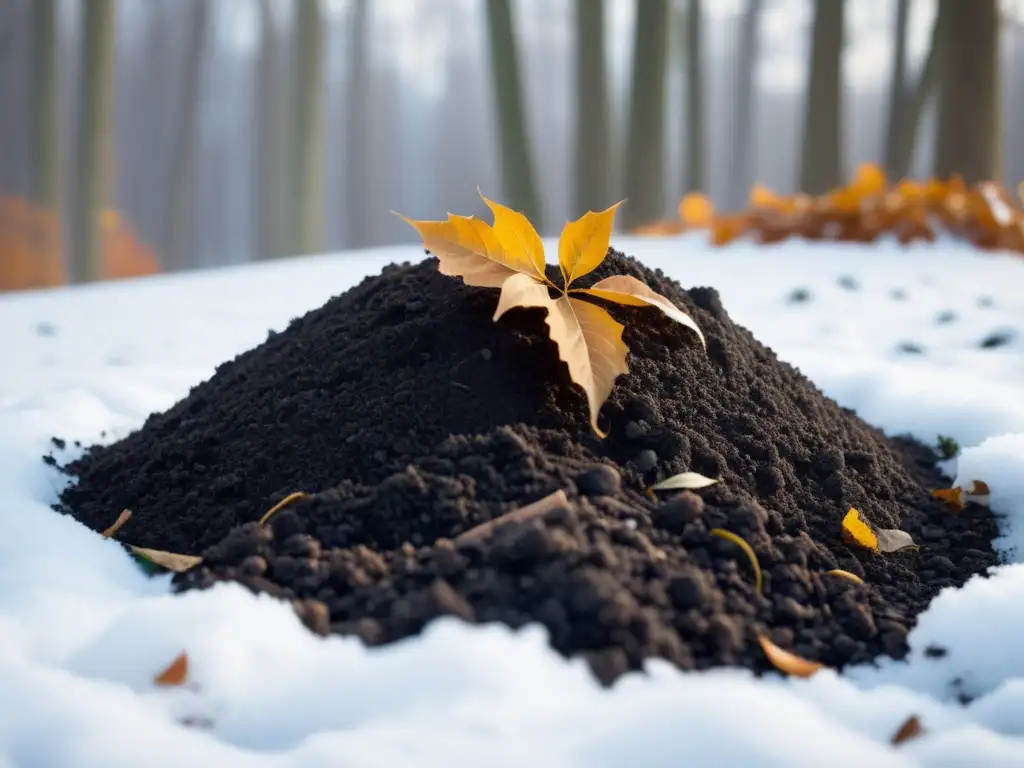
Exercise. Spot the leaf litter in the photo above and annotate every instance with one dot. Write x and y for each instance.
(411, 419)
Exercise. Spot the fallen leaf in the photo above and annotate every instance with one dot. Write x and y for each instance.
(910, 729)
(845, 575)
(124, 517)
(856, 531)
(747, 549)
(176, 673)
(689, 481)
(790, 663)
(509, 256)
(892, 540)
(979, 488)
(583, 244)
(623, 289)
(289, 499)
(167, 560)
(539, 508)
(954, 497)
(696, 211)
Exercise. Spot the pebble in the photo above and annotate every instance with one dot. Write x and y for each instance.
(633, 431)
(646, 460)
(599, 480)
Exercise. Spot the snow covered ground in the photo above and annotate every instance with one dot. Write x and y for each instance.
(894, 334)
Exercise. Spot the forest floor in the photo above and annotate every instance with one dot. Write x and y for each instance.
(926, 341)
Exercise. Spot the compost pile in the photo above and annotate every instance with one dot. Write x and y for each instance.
(410, 418)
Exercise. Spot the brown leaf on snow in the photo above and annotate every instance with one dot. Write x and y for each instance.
(510, 256)
(979, 488)
(124, 517)
(910, 729)
(790, 663)
(953, 497)
(168, 560)
(176, 672)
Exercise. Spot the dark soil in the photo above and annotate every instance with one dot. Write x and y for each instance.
(410, 417)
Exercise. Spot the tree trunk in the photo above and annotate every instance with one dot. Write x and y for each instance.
(912, 110)
(357, 121)
(898, 91)
(741, 169)
(516, 167)
(821, 168)
(645, 150)
(308, 112)
(92, 177)
(46, 126)
(694, 150)
(179, 224)
(592, 165)
(968, 139)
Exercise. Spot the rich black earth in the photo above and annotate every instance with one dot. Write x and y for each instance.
(410, 418)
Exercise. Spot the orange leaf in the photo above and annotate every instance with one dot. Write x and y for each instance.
(583, 243)
(123, 518)
(176, 673)
(954, 497)
(910, 729)
(979, 488)
(588, 338)
(696, 211)
(856, 531)
(790, 663)
(623, 289)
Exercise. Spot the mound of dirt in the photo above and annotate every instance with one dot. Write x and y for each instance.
(410, 418)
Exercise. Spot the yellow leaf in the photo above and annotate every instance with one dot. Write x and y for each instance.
(623, 289)
(124, 517)
(856, 531)
(683, 481)
(747, 549)
(467, 247)
(696, 211)
(954, 497)
(518, 238)
(588, 338)
(583, 243)
(168, 560)
(176, 673)
(846, 575)
(790, 663)
(910, 729)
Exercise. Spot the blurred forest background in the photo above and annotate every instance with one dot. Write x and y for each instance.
(163, 135)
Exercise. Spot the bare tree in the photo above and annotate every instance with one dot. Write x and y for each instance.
(897, 87)
(906, 104)
(645, 150)
(741, 160)
(45, 113)
(694, 151)
(516, 166)
(92, 177)
(179, 225)
(592, 165)
(357, 122)
(968, 138)
(308, 112)
(821, 167)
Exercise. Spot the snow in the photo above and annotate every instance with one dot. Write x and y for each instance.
(83, 631)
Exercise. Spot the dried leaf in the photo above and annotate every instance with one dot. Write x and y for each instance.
(583, 243)
(910, 729)
(790, 663)
(747, 549)
(176, 672)
(519, 239)
(954, 497)
(289, 499)
(696, 211)
(589, 340)
(124, 517)
(684, 481)
(167, 560)
(539, 508)
(979, 488)
(623, 289)
(892, 540)
(846, 575)
(856, 531)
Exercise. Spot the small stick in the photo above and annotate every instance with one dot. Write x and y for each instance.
(291, 497)
(124, 517)
(521, 515)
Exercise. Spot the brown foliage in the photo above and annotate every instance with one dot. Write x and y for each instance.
(30, 254)
(984, 214)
